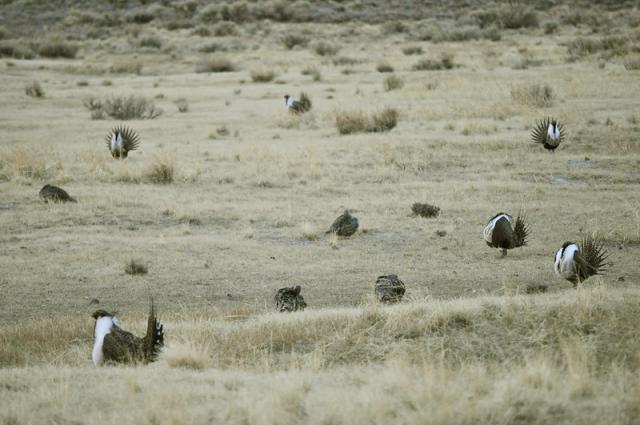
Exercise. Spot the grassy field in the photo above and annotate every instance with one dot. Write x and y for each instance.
(247, 191)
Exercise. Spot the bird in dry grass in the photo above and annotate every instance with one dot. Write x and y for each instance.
(389, 289)
(548, 133)
(50, 193)
(345, 225)
(425, 210)
(577, 262)
(120, 140)
(501, 232)
(289, 299)
(298, 106)
(114, 344)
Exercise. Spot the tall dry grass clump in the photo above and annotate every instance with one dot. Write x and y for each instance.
(22, 162)
(348, 122)
(161, 170)
(533, 95)
(135, 267)
(58, 49)
(122, 108)
(262, 75)
(393, 82)
(215, 64)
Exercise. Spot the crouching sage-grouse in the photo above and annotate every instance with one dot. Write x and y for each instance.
(297, 106)
(289, 299)
(502, 233)
(577, 262)
(50, 193)
(389, 289)
(120, 140)
(114, 344)
(548, 133)
(344, 225)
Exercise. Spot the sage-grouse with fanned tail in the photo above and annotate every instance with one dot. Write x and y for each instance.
(548, 133)
(114, 344)
(501, 232)
(577, 262)
(345, 225)
(298, 106)
(120, 140)
(50, 193)
(389, 289)
(289, 299)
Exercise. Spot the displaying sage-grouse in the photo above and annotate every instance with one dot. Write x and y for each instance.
(389, 289)
(548, 133)
(114, 344)
(297, 106)
(120, 140)
(289, 299)
(51, 193)
(344, 225)
(502, 233)
(577, 262)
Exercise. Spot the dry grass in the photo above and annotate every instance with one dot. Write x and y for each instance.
(135, 267)
(215, 64)
(393, 82)
(122, 108)
(534, 95)
(348, 122)
(446, 61)
(262, 75)
(474, 341)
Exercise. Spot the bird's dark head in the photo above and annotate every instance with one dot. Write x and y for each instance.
(102, 313)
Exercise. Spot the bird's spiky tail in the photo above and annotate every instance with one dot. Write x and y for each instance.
(595, 256)
(154, 340)
(305, 102)
(521, 230)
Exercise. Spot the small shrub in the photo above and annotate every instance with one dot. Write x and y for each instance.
(82, 83)
(313, 71)
(425, 210)
(325, 49)
(210, 13)
(142, 18)
(16, 51)
(186, 356)
(213, 48)
(344, 60)
(134, 267)
(394, 27)
(58, 49)
(445, 62)
(535, 95)
(393, 82)
(122, 108)
(34, 89)
(225, 29)
(215, 64)
(183, 105)
(262, 75)
(359, 122)
(632, 64)
(151, 42)
(126, 67)
(107, 83)
(412, 50)
(384, 67)
(202, 32)
(292, 40)
(550, 28)
(161, 171)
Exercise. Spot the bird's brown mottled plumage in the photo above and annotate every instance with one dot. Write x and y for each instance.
(502, 235)
(344, 225)
(50, 193)
(289, 299)
(389, 289)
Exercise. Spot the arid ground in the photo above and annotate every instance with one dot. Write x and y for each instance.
(229, 196)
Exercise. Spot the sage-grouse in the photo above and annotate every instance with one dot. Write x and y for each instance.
(289, 299)
(577, 262)
(501, 232)
(114, 344)
(51, 193)
(548, 133)
(297, 106)
(120, 140)
(344, 225)
(389, 289)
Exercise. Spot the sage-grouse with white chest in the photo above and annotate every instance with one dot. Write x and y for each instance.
(50, 193)
(120, 140)
(548, 133)
(389, 289)
(297, 106)
(502, 233)
(289, 299)
(345, 225)
(114, 344)
(577, 262)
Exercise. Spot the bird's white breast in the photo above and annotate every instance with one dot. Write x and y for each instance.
(488, 230)
(103, 327)
(564, 260)
(290, 101)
